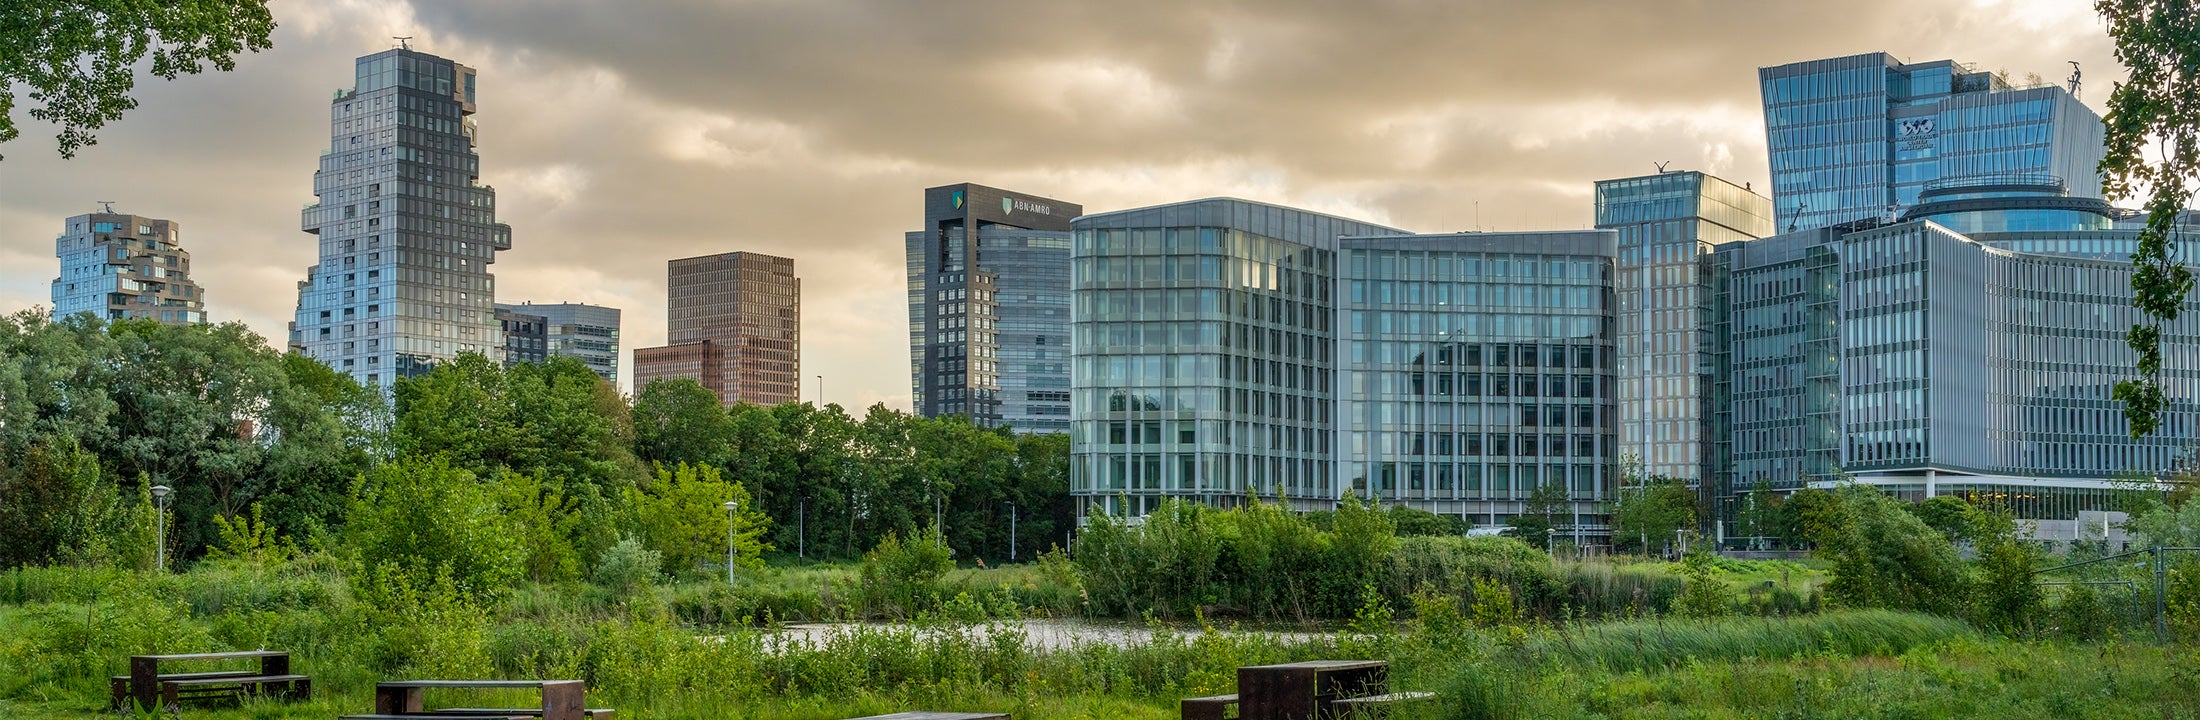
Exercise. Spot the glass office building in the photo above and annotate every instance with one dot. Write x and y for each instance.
(406, 230)
(1225, 349)
(1668, 225)
(1202, 355)
(589, 333)
(1476, 367)
(1928, 361)
(119, 266)
(989, 308)
(1861, 136)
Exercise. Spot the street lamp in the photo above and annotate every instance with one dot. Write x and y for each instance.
(821, 392)
(732, 507)
(160, 525)
(1012, 531)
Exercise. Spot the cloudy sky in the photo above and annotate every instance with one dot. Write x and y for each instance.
(621, 133)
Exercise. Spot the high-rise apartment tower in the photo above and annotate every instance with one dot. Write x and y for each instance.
(406, 230)
(118, 266)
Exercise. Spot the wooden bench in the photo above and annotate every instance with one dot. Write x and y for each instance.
(561, 700)
(290, 687)
(1212, 707)
(1375, 706)
(146, 685)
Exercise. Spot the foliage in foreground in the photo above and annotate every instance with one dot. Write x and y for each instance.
(64, 630)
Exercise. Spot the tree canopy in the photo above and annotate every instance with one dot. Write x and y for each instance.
(78, 57)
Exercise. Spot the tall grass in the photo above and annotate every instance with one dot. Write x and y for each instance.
(1641, 645)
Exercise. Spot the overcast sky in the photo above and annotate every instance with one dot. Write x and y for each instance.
(622, 133)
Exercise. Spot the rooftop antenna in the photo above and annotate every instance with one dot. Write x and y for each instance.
(2074, 75)
(1661, 166)
(402, 41)
(106, 206)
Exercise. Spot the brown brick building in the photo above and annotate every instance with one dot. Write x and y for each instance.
(734, 325)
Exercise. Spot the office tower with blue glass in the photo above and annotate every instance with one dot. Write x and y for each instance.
(405, 229)
(1227, 349)
(1475, 368)
(1862, 136)
(118, 266)
(1970, 349)
(1668, 225)
(589, 333)
(989, 314)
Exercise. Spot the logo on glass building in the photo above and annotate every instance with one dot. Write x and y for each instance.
(1008, 206)
(956, 199)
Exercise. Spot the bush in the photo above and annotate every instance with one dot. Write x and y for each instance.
(628, 568)
(899, 579)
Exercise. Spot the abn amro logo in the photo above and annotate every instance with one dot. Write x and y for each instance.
(956, 199)
(1008, 206)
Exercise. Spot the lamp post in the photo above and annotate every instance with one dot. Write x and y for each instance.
(733, 507)
(821, 392)
(1012, 531)
(802, 528)
(160, 528)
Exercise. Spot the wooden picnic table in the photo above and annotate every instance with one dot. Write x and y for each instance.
(147, 685)
(561, 700)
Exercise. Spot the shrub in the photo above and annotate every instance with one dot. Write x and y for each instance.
(628, 568)
(901, 578)
(1707, 595)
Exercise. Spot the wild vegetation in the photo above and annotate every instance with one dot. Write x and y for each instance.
(529, 521)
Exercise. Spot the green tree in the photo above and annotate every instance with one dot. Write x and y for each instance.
(2158, 41)
(1650, 512)
(679, 421)
(55, 507)
(681, 515)
(2008, 597)
(419, 520)
(209, 410)
(78, 57)
(545, 522)
(1885, 557)
(1953, 516)
(1545, 508)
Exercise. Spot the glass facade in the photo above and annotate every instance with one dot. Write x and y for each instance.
(118, 266)
(1202, 354)
(1863, 136)
(1668, 225)
(1476, 367)
(989, 313)
(1225, 349)
(589, 333)
(1917, 358)
(406, 230)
